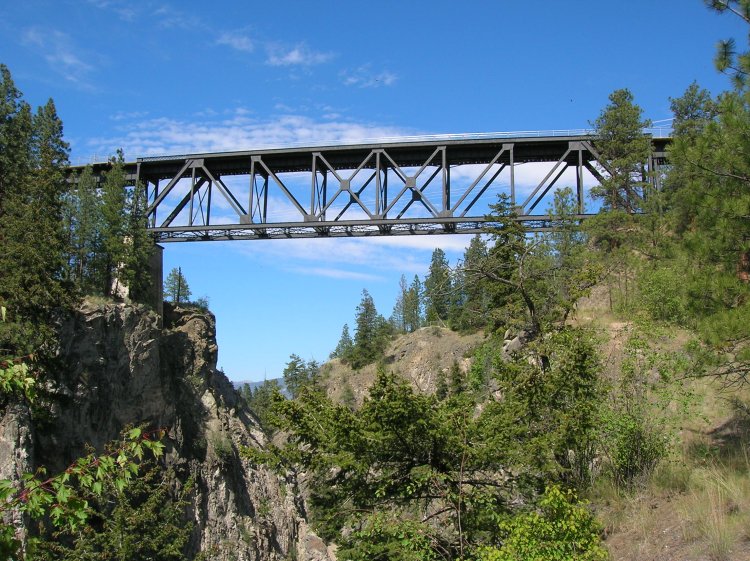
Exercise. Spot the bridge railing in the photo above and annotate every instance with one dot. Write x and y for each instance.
(655, 132)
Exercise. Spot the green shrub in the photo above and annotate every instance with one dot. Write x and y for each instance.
(561, 530)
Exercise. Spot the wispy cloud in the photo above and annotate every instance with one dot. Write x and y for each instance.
(237, 40)
(365, 77)
(128, 115)
(333, 273)
(237, 132)
(170, 17)
(124, 9)
(300, 55)
(61, 55)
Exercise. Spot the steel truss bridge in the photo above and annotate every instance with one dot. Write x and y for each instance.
(407, 186)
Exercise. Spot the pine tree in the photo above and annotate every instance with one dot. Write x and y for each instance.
(413, 306)
(399, 309)
(624, 148)
(82, 219)
(176, 288)
(344, 346)
(31, 222)
(299, 374)
(372, 334)
(470, 306)
(139, 248)
(437, 288)
(114, 225)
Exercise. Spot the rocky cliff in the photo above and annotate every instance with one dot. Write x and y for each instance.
(121, 367)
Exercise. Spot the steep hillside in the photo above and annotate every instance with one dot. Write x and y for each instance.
(418, 357)
(122, 368)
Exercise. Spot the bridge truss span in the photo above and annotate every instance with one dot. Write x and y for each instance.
(411, 187)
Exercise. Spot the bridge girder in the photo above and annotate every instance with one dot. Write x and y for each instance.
(395, 188)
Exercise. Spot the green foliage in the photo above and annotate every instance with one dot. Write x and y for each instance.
(549, 412)
(382, 537)
(108, 245)
(624, 149)
(727, 60)
(144, 520)
(33, 156)
(403, 453)
(260, 401)
(176, 288)
(299, 374)
(562, 529)
(644, 406)
(65, 498)
(372, 334)
(437, 288)
(470, 306)
(345, 344)
(413, 306)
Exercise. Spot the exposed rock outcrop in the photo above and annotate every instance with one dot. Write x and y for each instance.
(123, 368)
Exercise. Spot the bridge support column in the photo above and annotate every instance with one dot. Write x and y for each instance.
(156, 268)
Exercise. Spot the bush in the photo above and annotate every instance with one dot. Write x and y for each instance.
(632, 447)
(662, 294)
(561, 530)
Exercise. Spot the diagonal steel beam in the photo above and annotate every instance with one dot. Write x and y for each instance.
(546, 177)
(169, 187)
(181, 205)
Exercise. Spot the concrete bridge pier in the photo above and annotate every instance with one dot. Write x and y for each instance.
(156, 267)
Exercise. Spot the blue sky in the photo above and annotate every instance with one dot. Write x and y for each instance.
(169, 77)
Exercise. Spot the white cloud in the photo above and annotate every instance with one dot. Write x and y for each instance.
(171, 18)
(237, 40)
(300, 55)
(365, 77)
(61, 55)
(128, 115)
(336, 273)
(123, 8)
(239, 132)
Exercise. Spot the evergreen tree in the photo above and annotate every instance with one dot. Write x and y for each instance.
(31, 222)
(413, 306)
(114, 201)
(372, 334)
(398, 316)
(15, 138)
(176, 288)
(344, 346)
(727, 60)
(82, 220)
(624, 149)
(457, 379)
(139, 248)
(299, 374)
(260, 401)
(437, 288)
(471, 302)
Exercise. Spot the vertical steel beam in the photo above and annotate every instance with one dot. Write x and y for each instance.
(378, 182)
(192, 195)
(313, 184)
(512, 177)
(208, 203)
(579, 180)
(446, 182)
(251, 194)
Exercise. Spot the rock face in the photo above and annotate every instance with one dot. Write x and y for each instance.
(121, 367)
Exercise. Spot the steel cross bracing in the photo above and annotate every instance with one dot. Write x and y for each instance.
(433, 186)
